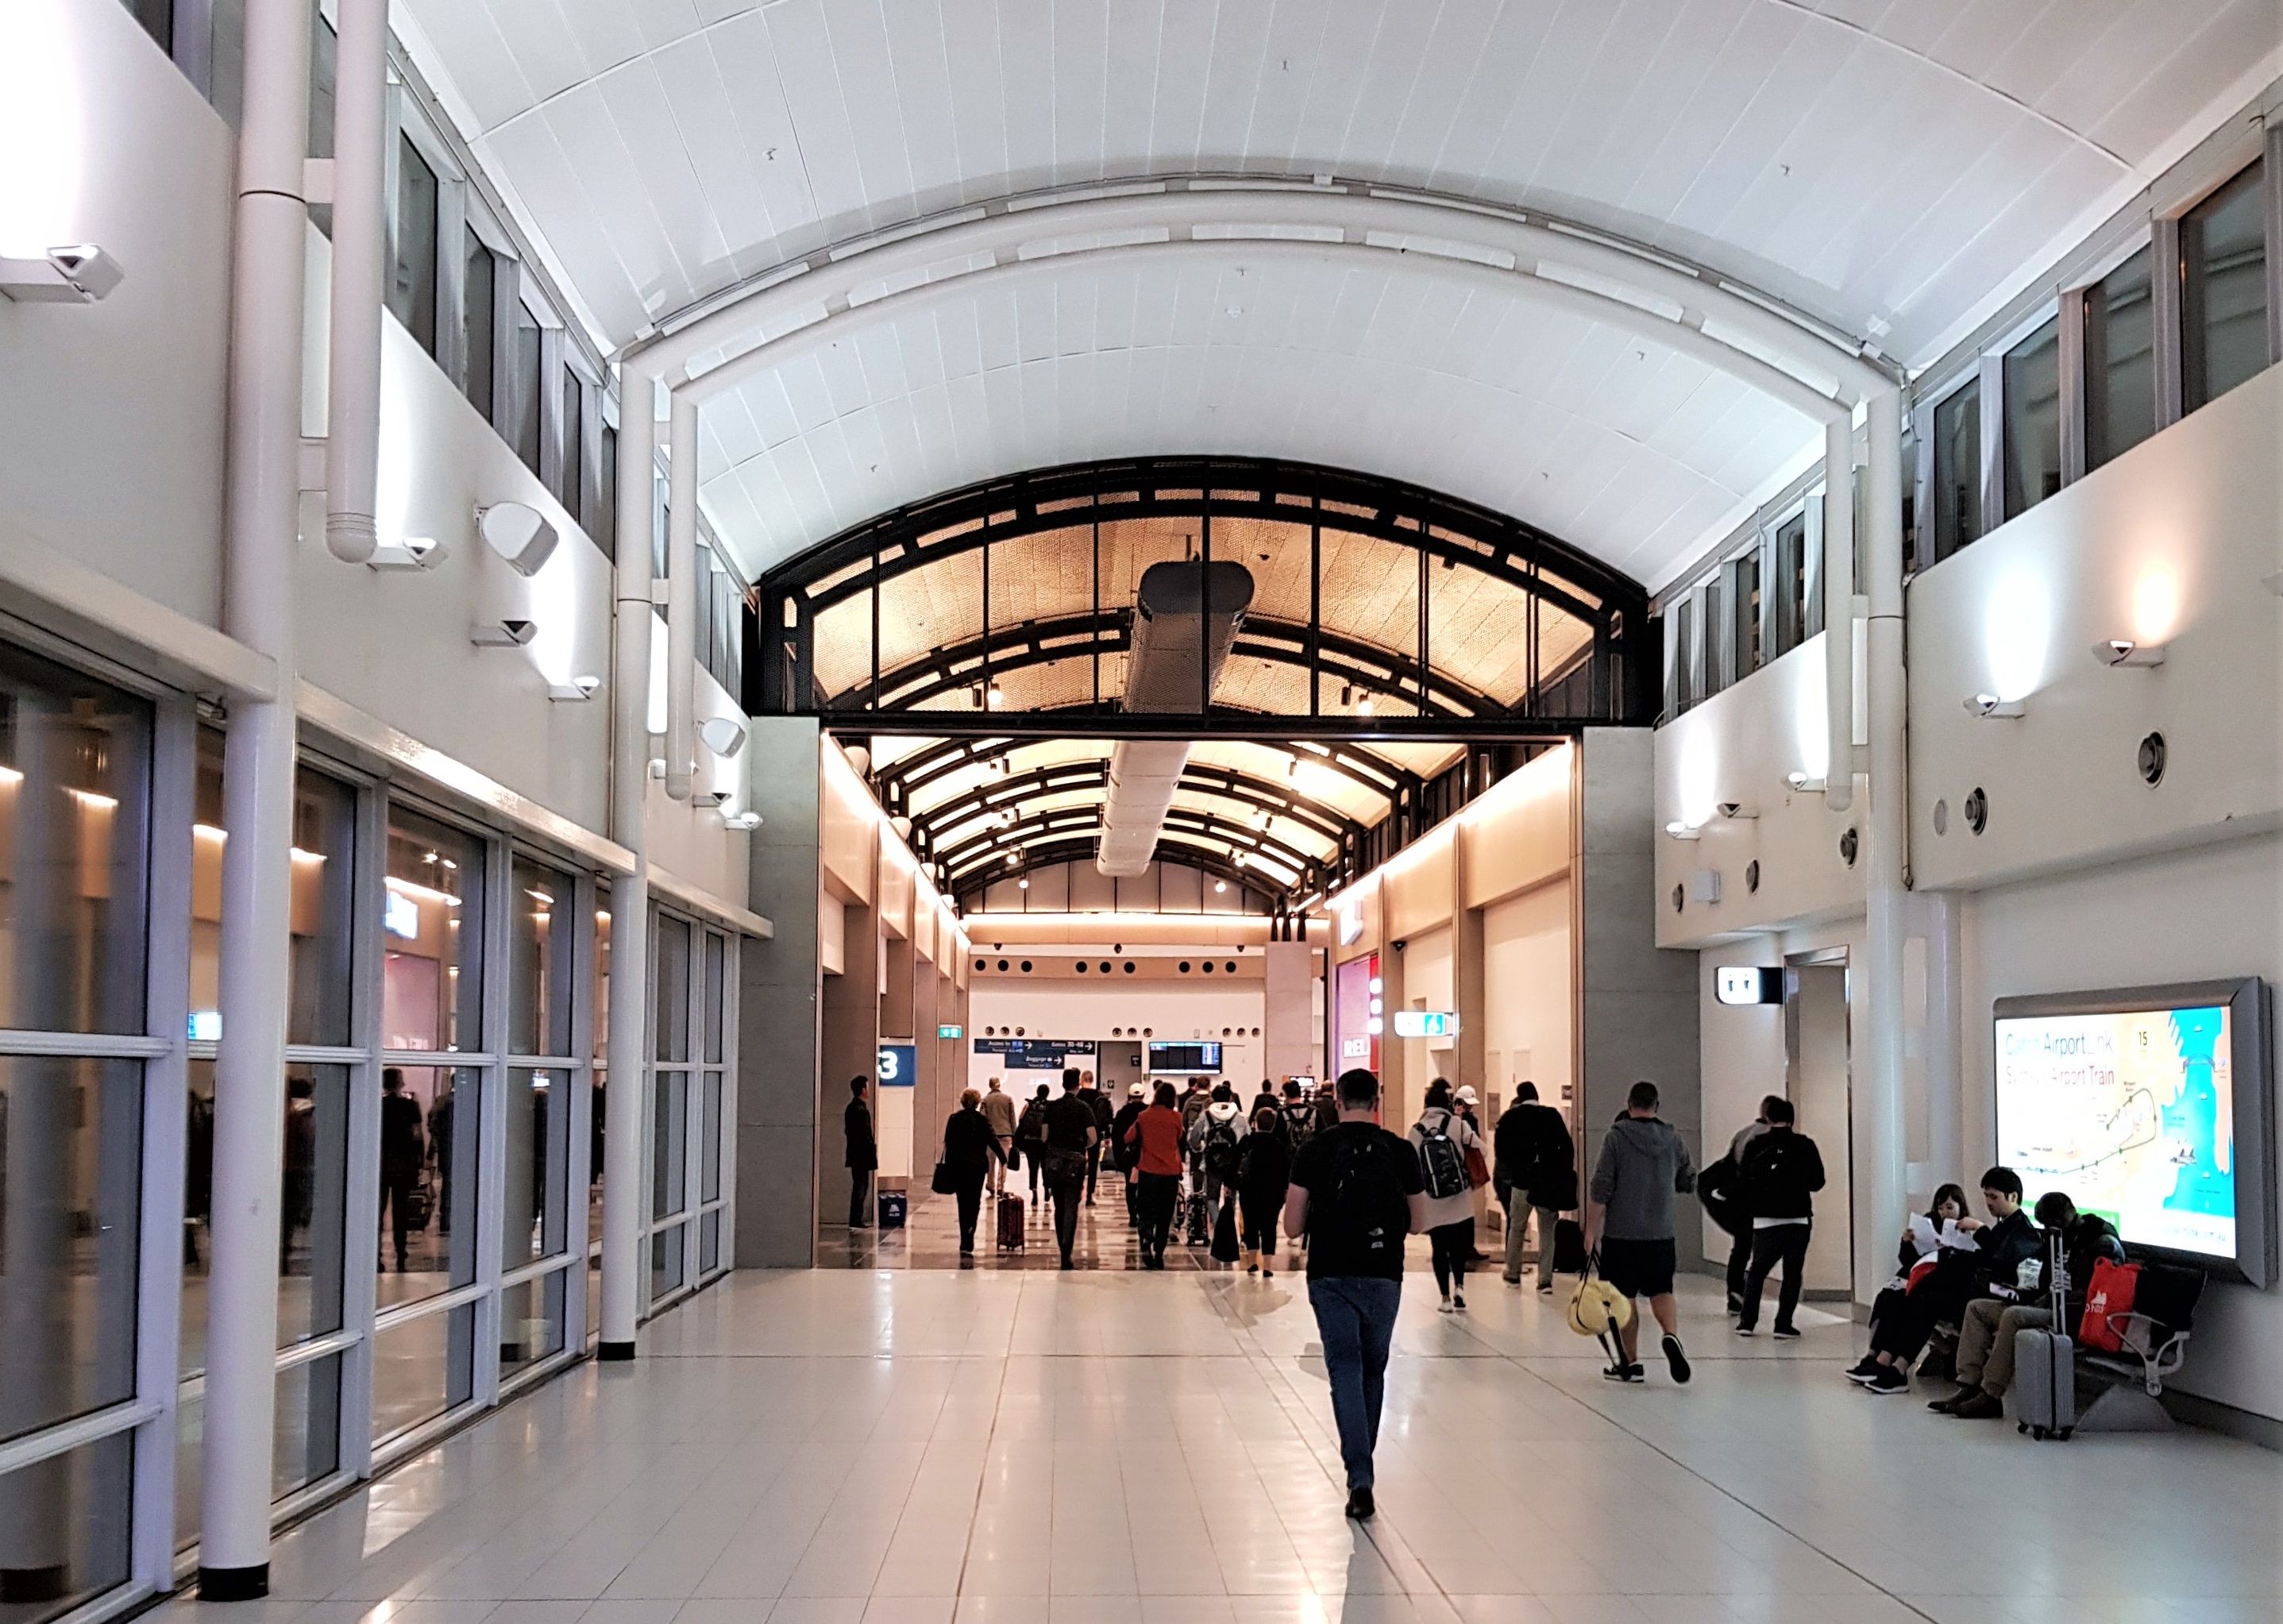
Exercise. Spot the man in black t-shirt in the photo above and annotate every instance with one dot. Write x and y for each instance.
(1071, 1135)
(1356, 1193)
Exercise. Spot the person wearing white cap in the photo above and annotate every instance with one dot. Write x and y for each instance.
(1468, 1105)
(1122, 1157)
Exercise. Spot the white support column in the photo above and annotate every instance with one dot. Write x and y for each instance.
(1885, 1142)
(1937, 912)
(681, 595)
(1839, 610)
(626, 1039)
(359, 277)
(263, 491)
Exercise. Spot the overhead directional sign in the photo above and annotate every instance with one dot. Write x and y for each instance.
(1749, 984)
(1035, 1054)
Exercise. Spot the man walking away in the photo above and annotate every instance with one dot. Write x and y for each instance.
(1781, 1172)
(1535, 1170)
(1104, 1114)
(863, 1151)
(403, 1152)
(1356, 1193)
(1121, 1153)
(1299, 1116)
(1642, 1166)
(998, 1110)
(1072, 1136)
(1716, 1190)
(1031, 1139)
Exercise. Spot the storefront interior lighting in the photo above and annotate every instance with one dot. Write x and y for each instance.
(412, 888)
(1374, 1027)
(9, 775)
(1990, 708)
(2124, 652)
(95, 801)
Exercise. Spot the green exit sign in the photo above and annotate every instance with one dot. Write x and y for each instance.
(950, 1032)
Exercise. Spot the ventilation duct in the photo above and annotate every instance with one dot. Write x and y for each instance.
(1185, 619)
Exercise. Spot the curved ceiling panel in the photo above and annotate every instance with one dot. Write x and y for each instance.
(1887, 164)
(1580, 428)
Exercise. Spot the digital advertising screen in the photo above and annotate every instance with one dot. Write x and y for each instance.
(2146, 1108)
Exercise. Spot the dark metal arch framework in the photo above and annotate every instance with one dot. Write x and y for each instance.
(969, 864)
(1180, 852)
(1608, 684)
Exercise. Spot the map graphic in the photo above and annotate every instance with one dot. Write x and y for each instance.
(2133, 1113)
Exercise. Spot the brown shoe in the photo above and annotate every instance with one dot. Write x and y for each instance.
(1978, 1405)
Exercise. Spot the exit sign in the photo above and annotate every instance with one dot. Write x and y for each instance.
(1426, 1022)
(951, 1032)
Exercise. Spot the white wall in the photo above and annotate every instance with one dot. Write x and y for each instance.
(1426, 985)
(1527, 1008)
(2213, 912)
(112, 415)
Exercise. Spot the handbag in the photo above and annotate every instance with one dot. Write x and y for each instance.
(1225, 1248)
(941, 1181)
(2110, 1297)
(1478, 1171)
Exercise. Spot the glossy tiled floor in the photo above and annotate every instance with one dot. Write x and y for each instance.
(883, 1446)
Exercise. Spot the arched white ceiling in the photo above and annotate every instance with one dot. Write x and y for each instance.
(1608, 440)
(1880, 162)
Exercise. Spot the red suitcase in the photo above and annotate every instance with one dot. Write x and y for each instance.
(1010, 1224)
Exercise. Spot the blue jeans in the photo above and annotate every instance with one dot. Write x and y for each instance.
(1355, 1317)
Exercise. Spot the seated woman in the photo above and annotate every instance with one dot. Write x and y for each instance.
(1923, 1238)
(2000, 1247)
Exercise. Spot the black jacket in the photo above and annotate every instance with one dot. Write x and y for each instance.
(2087, 1240)
(1780, 1174)
(1531, 1151)
(968, 1146)
(1264, 1169)
(2001, 1247)
(856, 1122)
(1121, 1154)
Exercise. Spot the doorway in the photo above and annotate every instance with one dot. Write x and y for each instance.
(1817, 1081)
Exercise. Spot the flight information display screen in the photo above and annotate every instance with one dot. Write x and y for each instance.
(1185, 1059)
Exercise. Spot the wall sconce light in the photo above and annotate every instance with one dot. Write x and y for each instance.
(724, 736)
(519, 534)
(1738, 809)
(509, 634)
(2124, 652)
(578, 691)
(413, 552)
(1990, 708)
(991, 698)
(1806, 784)
(743, 820)
(1679, 830)
(71, 273)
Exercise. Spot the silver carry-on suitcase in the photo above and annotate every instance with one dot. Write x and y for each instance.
(2045, 1362)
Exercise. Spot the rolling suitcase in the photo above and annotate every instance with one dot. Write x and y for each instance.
(1200, 1221)
(2044, 1363)
(1010, 1224)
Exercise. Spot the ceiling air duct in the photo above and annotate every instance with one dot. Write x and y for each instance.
(1185, 619)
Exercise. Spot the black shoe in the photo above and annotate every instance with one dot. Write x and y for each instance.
(1735, 1303)
(1676, 1360)
(1949, 1406)
(1624, 1372)
(1743, 1330)
(1976, 1404)
(1863, 1369)
(1459, 1301)
(1889, 1379)
(1360, 1504)
(1545, 1288)
(1786, 1333)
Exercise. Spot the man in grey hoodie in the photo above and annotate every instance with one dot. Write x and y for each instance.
(1629, 1218)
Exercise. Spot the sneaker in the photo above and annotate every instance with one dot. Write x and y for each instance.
(1360, 1504)
(1735, 1303)
(1624, 1372)
(1268, 1274)
(1863, 1369)
(1445, 1307)
(1676, 1360)
(1253, 1269)
(1889, 1379)
(1459, 1301)
(1786, 1333)
(1545, 1288)
(1746, 1330)
(1512, 1280)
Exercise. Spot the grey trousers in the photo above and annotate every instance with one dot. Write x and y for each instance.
(1985, 1342)
(1517, 1219)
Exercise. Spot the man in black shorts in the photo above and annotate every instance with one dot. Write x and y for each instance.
(1629, 1213)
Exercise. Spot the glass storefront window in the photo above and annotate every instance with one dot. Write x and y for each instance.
(2224, 291)
(531, 1322)
(434, 933)
(709, 1243)
(2120, 361)
(540, 958)
(431, 1120)
(65, 1523)
(665, 1261)
(75, 838)
(670, 1008)
(322, 913)
(307, 1446)
(423, 1368)
(315, 1191)
(2033, 419)
(669, 1143)
(70, 1212)
(535, 1197)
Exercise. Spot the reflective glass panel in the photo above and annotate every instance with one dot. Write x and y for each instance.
(307, 1446)
(412, 279)
(2120, 361)
(433, 932)
(669, 1143)
(531, 1322)
(314, 1187)
(717, 995)
(670, 1013)
(430, 1121)
(1958, 470)
(709, 1140)
(65, 1522)
(543, 932)
(422, 1369)
(666, 1261)
(709, 1243)
(2033, 419)
(525, 430)
(2224, 291)
(75, 834)
(535, 1189)
(70, 1207)
(479, 309)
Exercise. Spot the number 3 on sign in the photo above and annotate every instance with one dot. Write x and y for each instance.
(888, 1068)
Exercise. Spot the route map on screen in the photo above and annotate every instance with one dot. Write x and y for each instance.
(2133, 1113)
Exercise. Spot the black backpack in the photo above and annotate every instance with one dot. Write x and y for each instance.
(1223, 1151)
(1442, 1168)
(1364, 1211)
